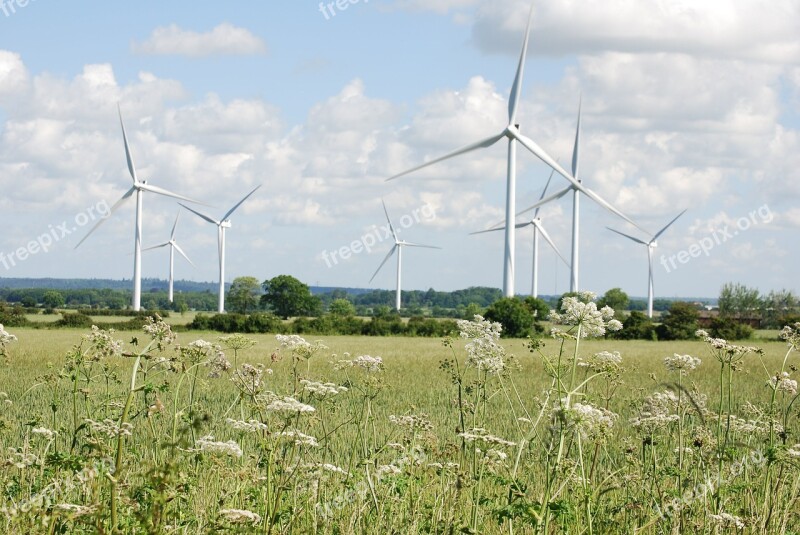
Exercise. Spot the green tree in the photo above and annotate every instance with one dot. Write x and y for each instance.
(53, 299)
(342, 307)
(729, 329)
(287, 296)
(637, 326)
(513, 315)
(243, 295)
(538, 307)
(472, 310)
(616, 299)
(680, 322)
(738, 301)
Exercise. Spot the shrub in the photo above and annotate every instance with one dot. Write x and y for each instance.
(729, 329)
(637, 326)
(75, 320)
(680, 323)
(516, 318)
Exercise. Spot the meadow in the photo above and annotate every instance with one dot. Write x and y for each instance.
(158, 433)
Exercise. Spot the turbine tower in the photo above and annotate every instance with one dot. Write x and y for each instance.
(538, 229)
(651, 245)
(139, 187)
(512, 133)
(173, 246)
(222, 225)
(398, 247)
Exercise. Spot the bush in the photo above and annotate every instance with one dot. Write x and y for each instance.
(516, 318)
(680, 323)
(637, 326)
(76, 320)
(729, 329)
(13, 316)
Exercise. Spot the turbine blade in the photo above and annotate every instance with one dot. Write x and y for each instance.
(576, 148)
(230, 212)
(128, 156)
(178, 248)
(388, 256)
(542, 202)
(549, 240)
(156, 247)
(175, 226)
(605, 204)
(637, 240)
(203, 216)
(516, 88)
(409, 244)
(389, 220)
(660, 232)
(110, 213)
(167, 193)
(488, 142)
(544, 192)
(487, 230)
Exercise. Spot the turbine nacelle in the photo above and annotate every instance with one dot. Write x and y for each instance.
(225, 224)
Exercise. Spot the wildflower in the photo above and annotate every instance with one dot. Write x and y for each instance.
(102, 344)
(289, 405)
(299, 439)
(237, 342)
(387, 470)
(727, 521)
(72, 510)
(412, 422)
(44, 432)
(782, 383)
(658, 411)
(248, 378)
(585, 315)
(160, 331)
(250, 426)
(681, 363)
(479, 434)
(789, 333)
(484, 351)
(585, 419)
(322, 389)
(240, 516)
(371, 364)
(604, 362)
(753, 427)
(109, 428)
(207, 444)
(5, 339)
(723, 351)
(299, 347)
(794, 451)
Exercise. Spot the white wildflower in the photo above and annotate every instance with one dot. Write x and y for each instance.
(240, 516)
(479, 434)
(371, 364)
(250, 426)
(484, 351)
(44, 432)
(727, 521)
(604, 362)
(412, 422)
(794, 451)
(207, 444)
(322, 389)
(681, 363)
(592, 322)
(289, 405)
(585, 419)
(72, 510)
(300, 439)
(110, 428)
(782, 383)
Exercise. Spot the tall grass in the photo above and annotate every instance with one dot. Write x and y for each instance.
(164, 434)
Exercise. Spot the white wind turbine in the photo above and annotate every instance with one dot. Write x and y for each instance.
(173, 246)
(222, 225)
(139, 187)
(398, 247)
(512, 133)
(651, 245)
(538, 229)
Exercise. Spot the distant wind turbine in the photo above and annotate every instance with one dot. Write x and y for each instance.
(512, 133)
(538, 228)
(651, 245)
(139, 187)
(222, 225)
(398, 247)
(173, 246)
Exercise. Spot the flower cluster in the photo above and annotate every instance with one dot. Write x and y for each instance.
(207, 444)
(248, 378)
(322, 389)
(110, 428)
(236, 342)
(725, 352)
(365, 362)
(582, 312)
(240, 516)
(250, 426)
(727, 521)
(782, 383)
(790, 333)
(412, 422)
(299, 439)
(5, 339)
(159, 331)
(102, 344)
(681, 363)
(48, 434)
(484, 351)
(289, 405)
(658, 411)
(604, 362)
(479, 434)
(299, 347)
(585, 419)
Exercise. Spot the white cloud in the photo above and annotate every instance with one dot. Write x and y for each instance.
(224, 40)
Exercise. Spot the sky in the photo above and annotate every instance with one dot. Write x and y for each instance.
(685, 105)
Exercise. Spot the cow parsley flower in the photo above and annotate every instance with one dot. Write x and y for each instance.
(322, 389)
(681, 363)
(250, 426)
(725, 352)
(289, 405)
(589, 421)
(299, 439)
(583, 313)
(207, 444)
(484, 351)
(604, 362)
(159, 331)
(479, 434)
(102, 344)
(240, 516)
(782, 383)
(44, 432)
(789, 333)
(727, 521)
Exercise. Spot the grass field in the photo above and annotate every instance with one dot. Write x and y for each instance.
(397, 451)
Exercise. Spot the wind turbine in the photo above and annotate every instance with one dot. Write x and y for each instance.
(512, 133)
(538, 229)
(139, 187)
(173, 246)
(222, 225)
(651, 245)
(398, 246)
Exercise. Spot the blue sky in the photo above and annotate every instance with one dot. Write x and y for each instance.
(685, 106)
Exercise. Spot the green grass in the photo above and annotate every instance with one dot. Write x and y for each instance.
(167, 487)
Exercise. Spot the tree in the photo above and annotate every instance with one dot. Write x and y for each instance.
(616, 299)
(472, 310)
(53, 299)
(637, 326)
(538, 307)
(738, 301)
(729, 329)
(680, 322)
(287, 296)
(342, 307)
(513, 315)
(243, 295)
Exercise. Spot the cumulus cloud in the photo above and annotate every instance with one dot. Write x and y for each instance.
(224, 40)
